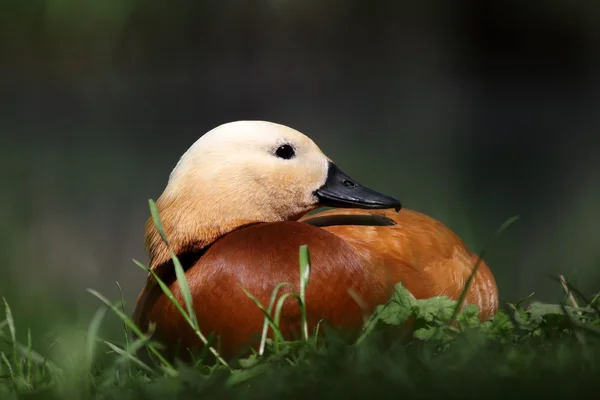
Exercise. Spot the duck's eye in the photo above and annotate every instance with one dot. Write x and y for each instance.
(285, 151)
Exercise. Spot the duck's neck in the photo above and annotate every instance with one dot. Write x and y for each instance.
(189, 227)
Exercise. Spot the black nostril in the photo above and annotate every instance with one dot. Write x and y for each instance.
(349, 184)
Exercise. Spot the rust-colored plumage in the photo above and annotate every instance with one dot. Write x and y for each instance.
(427, 257)
(257, 258)
(422, 253)
(363, 251)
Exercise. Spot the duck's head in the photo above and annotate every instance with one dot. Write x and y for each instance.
(250, 171)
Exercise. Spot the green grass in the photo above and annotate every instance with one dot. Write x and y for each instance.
(528, 349)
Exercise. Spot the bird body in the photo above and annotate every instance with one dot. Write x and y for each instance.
(237, 220)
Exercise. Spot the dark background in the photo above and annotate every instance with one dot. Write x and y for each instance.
(469, 111)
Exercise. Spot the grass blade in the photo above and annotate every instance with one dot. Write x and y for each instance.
(29, 355)
(10, 321)
(13, 336)
(166, 365)
(185, 315)
(35, 357)
(92, 335)
(595, 303)
(316, 334)
(112, 373)
(125, 330)
(205, 350)
(7, 363)
(184, 286)
(263, 337)
(166, 291)
(179, 272)
(157, 222)
(480, 258)
(573, 289)
(507, 224)
(277, 316)
(304, 279)
(465, 290)
(123, 309)
(128, 355)
(268, 318)
(304, 269)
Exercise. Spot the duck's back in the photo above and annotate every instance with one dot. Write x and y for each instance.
(417, 250)
(257, 258)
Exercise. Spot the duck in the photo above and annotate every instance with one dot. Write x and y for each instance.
(238, 205)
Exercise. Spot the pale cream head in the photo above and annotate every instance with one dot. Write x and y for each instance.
(236, 165)
(232, 176)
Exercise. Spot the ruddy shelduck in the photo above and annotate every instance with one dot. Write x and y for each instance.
(235, 212)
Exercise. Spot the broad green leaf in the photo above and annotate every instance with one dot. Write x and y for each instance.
(426, 333)
(469, 316)
(537, 311)
(500, 325)
(438, 308)
(399, 308)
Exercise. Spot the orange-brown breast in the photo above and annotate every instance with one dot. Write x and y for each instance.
(419, 251)
(257, 258)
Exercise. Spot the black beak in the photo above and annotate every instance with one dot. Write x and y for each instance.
(342, 191)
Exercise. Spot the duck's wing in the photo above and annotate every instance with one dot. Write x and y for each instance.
(417, 250)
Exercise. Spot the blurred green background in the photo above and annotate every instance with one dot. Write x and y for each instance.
(469, 111)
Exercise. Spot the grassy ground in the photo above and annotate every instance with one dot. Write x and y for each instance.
(528, 349)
